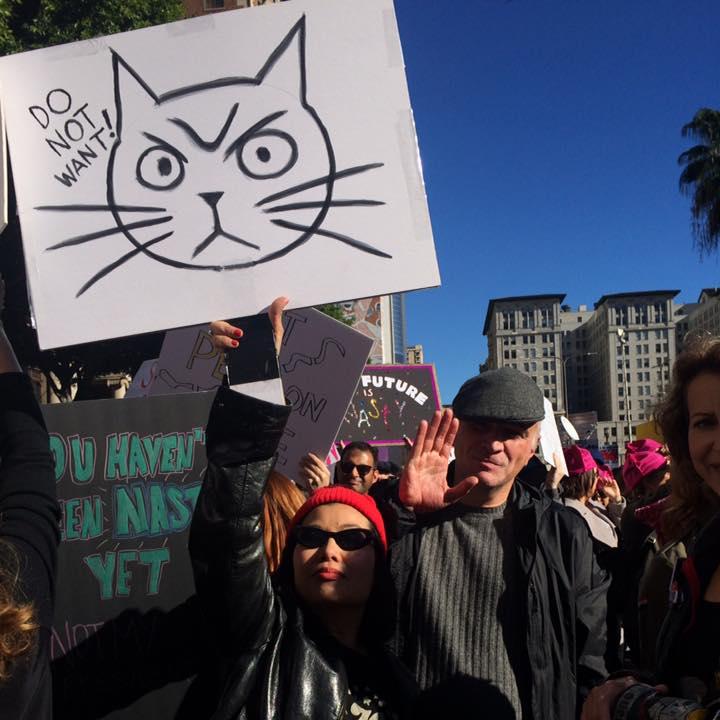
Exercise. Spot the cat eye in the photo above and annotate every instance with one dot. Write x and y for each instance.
(267, 154)
(160, 168)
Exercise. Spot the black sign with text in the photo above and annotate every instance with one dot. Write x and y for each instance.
(128, 475)
(389, 403)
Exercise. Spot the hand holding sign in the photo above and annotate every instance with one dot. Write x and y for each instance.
(225, 336)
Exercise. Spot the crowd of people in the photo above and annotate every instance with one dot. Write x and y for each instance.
(471, 582)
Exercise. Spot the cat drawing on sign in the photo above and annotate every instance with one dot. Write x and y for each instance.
(221, 190)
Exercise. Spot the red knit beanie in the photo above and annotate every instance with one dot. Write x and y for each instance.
(364, 504)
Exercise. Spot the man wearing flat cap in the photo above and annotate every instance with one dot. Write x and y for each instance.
(498, 587)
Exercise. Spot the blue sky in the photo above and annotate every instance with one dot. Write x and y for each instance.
(549, 132)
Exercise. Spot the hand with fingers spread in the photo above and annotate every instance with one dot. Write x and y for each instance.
(226, 336)
(313, 473)
(423, 485)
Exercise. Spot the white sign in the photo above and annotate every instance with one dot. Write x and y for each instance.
(321, 361)
(143, 380)
(3, 174)
(550, 444)
(188, 362)
(185, 172)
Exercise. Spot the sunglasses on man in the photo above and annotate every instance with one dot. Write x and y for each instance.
(347, 467)
(350, 539)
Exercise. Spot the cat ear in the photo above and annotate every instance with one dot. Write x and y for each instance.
(133, 96)
(285, 68)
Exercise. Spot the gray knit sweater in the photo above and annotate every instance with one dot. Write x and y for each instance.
(468, 602)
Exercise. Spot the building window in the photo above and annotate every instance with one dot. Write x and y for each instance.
(660, 312)
(214, 4)
(528, 319)
(508, 320)
(546, 317)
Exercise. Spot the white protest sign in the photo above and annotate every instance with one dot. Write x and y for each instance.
(182, 172)
(143, 380)
(320, 365)
(3, 173)
(550, 443)
(188, 362)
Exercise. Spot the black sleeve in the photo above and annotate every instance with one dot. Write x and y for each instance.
(226, 539)
(28, 504)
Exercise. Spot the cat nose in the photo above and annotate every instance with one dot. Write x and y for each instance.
(211, 198)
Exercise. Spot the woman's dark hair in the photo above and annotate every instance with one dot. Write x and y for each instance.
(579, 486)
(378, 621)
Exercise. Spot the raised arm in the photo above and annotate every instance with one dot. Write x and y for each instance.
(28, 506)
(226, 539)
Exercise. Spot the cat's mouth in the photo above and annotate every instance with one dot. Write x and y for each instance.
(212, 199)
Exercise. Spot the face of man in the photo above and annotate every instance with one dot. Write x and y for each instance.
(494, 452)
(357, 471)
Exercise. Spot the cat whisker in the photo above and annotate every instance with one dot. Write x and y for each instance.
(358, 244)
(338, 175)
(120, 261)
(88, 237)
(321, 204)
(100, 208)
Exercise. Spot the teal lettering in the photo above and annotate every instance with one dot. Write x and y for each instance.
(92, 517)
(130, 513)
(83, 458)
(123, 574)
(159, 523)
(155, 559)
(186, 446)
(103, 572)
(137, 463)
(57, 448)
(116, 465)
(169, 454)
(178, 512)
(153, 448)
(72, 526)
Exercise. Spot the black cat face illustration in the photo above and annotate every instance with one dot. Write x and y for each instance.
(207, 177)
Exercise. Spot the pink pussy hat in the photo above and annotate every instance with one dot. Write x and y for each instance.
(578, 460)
(643, 457)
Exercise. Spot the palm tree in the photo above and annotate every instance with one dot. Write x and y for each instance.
(700, 178)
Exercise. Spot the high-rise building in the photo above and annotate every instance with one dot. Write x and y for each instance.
(414, 355)
(613, 360)
(525, 332)
(381, 318)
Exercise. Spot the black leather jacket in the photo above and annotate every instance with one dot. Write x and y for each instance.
(272, 665)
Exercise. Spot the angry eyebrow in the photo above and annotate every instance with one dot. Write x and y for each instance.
(209, 145)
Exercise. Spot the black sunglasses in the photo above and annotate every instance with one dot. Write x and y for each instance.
(347, 467)
(350, 539)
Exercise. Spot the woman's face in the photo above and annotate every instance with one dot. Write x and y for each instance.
(703, 400)
(328, 574)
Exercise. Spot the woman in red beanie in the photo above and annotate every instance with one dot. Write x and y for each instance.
(308, 641)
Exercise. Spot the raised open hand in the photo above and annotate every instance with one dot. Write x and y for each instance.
(423, 485)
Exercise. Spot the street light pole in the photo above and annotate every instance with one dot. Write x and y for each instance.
(623, 343)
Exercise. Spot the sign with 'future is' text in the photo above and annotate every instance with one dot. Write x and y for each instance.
(389, 403)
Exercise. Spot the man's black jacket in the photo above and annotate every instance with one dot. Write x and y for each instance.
(564, 608)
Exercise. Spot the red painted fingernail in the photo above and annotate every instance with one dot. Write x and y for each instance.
(235, 343)
(238, 333)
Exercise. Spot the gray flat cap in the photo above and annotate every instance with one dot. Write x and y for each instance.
(504, 394)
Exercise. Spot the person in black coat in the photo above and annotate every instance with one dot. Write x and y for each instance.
(307, 643)
(28, 544)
